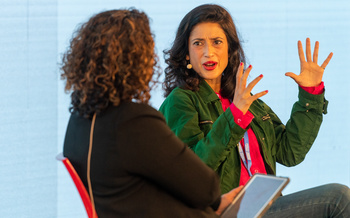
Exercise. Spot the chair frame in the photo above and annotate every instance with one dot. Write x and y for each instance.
(90, 210)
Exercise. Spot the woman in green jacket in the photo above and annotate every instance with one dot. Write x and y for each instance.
(210, 107)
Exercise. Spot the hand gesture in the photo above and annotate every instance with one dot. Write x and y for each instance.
(242, 98)
(310, 72)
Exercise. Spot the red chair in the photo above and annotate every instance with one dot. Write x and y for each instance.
(90, 210)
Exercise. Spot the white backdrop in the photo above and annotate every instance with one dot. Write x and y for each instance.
(34, 107)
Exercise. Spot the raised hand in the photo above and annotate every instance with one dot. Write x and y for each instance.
(242, 98)
(310, 72)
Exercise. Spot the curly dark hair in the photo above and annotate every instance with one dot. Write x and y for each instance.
(111, 59)
(176, 73)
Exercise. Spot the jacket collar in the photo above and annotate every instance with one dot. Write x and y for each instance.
(206, 92)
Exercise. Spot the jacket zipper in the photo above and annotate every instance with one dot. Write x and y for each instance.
(261, 142)
(267, 158)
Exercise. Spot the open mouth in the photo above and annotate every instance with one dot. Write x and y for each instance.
(210, 65)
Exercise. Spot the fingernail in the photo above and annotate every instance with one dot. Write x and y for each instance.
(241, 63)
(261, 75)
(250, 66)
(267, 91)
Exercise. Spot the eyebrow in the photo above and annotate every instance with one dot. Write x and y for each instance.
(201, 39)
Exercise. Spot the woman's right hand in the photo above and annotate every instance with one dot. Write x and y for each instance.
(227, 198)
(242, 98)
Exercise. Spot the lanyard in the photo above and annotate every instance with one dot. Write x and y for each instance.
(247, 163)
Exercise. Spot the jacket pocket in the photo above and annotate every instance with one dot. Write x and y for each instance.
(205, 126)
(205, 122)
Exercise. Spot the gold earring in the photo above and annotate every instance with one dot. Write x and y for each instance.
(189, 65)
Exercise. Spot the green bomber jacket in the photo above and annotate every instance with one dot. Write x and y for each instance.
(198, 119)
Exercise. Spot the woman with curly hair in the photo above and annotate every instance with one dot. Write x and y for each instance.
(127, 157)
(210, 107)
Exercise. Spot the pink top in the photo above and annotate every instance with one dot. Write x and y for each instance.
(243, 120)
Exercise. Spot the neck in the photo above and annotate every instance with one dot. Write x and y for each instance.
(214, 84)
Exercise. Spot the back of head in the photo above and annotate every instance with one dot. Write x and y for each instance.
(176, 73)
(111, 59)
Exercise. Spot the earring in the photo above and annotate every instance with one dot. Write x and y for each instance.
(189, 65)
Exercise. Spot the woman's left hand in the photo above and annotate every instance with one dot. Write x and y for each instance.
(226, 199)
(310, 72)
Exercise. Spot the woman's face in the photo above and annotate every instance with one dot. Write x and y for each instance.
(208, 52)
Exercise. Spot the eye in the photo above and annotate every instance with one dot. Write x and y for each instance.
(217, 42)
(197, 43)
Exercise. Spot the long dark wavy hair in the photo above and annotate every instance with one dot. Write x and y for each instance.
(111, 59)
(176, 73)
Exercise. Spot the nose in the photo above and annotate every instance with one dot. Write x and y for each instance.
(209, 51)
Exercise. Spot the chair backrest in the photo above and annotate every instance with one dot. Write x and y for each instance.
(79, 185)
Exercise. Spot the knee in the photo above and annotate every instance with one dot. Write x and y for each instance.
(341, 191)
(339, 188)
(341, 195)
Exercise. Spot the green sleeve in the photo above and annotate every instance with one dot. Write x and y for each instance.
(294, 140)
(211, 142)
